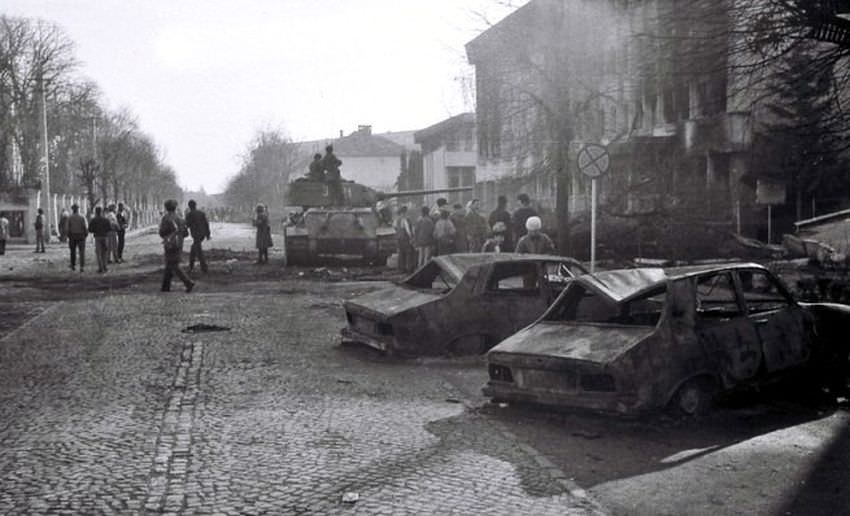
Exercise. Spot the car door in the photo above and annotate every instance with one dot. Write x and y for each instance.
(726, 335)
(514, 295)
(556, 276)
(780, 323)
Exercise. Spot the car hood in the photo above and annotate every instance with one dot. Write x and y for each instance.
(587, 342)
(391, 301)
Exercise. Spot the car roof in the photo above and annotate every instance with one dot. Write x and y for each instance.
(624, 284)
(461, 262)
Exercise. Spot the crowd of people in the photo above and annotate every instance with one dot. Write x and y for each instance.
(438, 230)
(108, 227)
(457, 229)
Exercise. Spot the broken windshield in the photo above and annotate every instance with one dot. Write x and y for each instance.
(432, 277)
(581, 304)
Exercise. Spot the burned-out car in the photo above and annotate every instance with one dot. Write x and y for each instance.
(459, 303)
(637, 340)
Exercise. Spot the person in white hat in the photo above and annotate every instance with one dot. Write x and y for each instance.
(535, 241)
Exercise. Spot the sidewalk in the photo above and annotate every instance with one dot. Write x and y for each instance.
(21, 260)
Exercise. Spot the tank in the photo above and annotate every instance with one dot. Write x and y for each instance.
(362, 227)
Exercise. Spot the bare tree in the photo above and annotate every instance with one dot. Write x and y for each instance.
(268, 162)
(35, 59)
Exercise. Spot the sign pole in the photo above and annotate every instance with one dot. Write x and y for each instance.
(769, 222)
(593, 225)
(593, 161)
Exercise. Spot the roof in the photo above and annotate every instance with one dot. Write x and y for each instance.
(624, 284)
(444, 126)
(511, 28)
(459, 263)
(362, 144)
(404, 138)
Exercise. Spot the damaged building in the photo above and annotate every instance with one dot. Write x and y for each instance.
(672, 93)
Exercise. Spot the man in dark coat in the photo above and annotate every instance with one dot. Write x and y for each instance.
(522, 214)
(458, 218)
(77, 233)
(316, 171)
(172, 230)
(333, 177)
(535, 241)
(199, 228)
(39, 231)
(123, 216)
(99, 226)
(501, 214)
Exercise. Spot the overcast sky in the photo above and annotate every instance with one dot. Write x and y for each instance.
(203, 76)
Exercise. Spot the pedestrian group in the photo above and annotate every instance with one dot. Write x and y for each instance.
(457, 229)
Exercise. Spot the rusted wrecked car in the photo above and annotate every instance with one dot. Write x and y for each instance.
(459, 303)
(638, 340)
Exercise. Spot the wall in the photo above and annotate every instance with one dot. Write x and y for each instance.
(380, 173)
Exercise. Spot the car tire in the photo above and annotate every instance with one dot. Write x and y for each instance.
(694, 397)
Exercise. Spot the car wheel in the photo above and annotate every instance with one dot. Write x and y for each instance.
(695, 397)
(469, 345)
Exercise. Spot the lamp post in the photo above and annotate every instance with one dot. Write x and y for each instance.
(46, 159)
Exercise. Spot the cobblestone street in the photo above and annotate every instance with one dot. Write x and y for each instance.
(108, 406)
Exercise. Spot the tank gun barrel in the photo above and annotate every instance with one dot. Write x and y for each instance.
(411, 193)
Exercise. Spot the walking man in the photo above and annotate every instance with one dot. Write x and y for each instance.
(99, 227)
(172, 230)
(199, 228)
(123, 217)
(77, 233)
(4, 232)
(39, 232)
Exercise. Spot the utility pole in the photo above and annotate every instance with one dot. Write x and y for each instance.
(46, 158)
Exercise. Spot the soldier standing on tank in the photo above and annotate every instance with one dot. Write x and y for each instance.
(333, 177)
(316, 171)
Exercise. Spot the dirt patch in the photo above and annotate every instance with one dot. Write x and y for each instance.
(13, 315)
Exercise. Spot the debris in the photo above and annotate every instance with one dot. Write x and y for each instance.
(202, 327)
(340, 380)
(503, 405)
(301, 274)
(350, 497)
(452, 400)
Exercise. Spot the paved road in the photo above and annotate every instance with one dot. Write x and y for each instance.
(107, 406)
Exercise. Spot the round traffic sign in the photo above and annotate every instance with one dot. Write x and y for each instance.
(593, 160)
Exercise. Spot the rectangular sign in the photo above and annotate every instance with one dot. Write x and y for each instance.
(770, 192)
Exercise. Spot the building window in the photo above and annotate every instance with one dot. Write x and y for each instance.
(457, 177)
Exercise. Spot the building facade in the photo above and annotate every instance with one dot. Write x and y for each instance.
(449, 156)
(653, 83)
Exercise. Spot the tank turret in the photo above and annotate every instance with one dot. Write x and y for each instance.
(314, 194)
